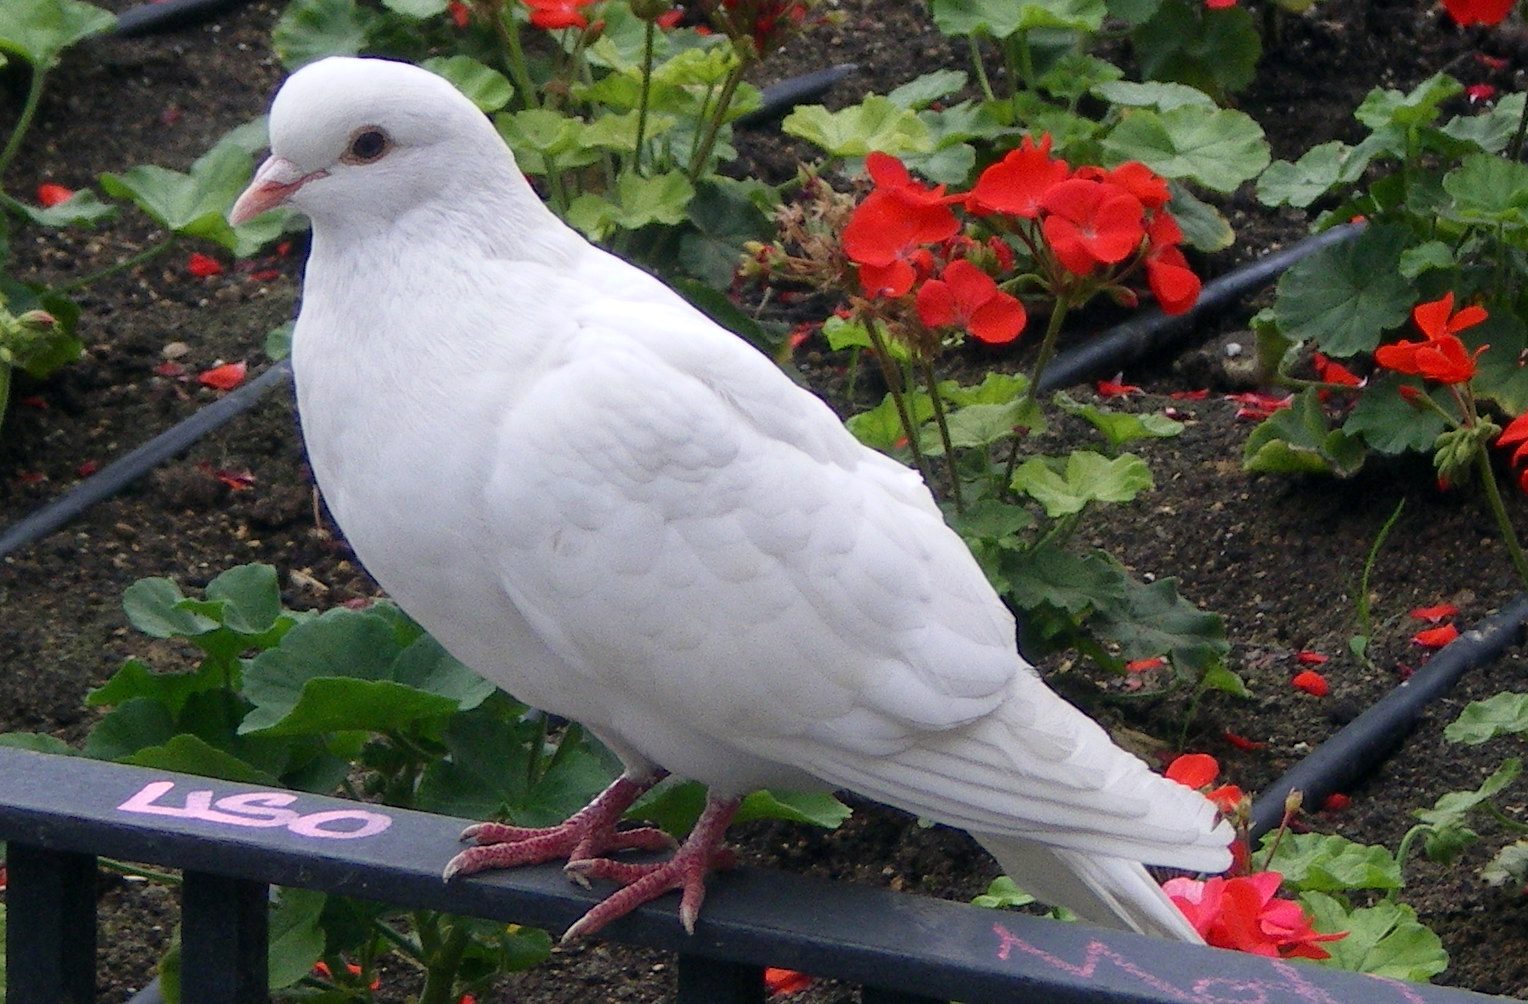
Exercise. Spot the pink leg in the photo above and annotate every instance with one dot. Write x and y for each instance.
(701, 852)
(588, 832)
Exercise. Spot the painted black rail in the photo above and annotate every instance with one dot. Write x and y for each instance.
(58, 813)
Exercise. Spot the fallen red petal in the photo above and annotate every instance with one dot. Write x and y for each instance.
(1193, 770)
(1142, 665)
(1432, 615)
(87, 468)
(1436, 637)
(1311, 682)
(36, 401)
(1115, 388)
(1309, 658)
(1335, 802)
(785, 981)
(1242, 742)
(203, 266)
(50, 195)
(170, 369)
(1190, 395)
(224, 377)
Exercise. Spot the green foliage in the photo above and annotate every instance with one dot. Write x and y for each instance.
(1213, 50)
(1501, 714)
(37, 31)
(1330, 863)
(1300, 440)
(1002, 893)
(1383, 940)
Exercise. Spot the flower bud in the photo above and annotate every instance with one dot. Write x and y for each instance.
(650, 10)
(1292, 802)
(39, 321)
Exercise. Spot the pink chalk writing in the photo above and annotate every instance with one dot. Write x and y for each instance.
(260, 809)
(1288, 984)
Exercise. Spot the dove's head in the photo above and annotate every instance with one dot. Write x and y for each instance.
(357, 140)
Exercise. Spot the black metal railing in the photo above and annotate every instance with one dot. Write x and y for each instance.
(58, 813)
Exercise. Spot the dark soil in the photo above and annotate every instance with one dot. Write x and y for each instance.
(1279, 559)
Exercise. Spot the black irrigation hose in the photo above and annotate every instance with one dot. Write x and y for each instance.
(1152, 331)
(139, 461)
(782, 97)
(1360, 745)
(168, 15)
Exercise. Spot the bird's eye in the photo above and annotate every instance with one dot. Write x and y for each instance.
(367, 146)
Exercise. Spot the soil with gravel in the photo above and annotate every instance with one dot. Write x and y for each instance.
(1279, 559)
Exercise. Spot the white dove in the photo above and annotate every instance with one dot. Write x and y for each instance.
(621, 513)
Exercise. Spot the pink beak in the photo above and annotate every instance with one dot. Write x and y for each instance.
(275, 182)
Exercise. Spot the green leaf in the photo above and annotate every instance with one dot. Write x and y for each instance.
(153, 606)
(1002, 893)
(196, 204)
(1426, 257)
(313, 29)
(1302, 182)
(1086, 477)
(1047, 575)
(1390, 107)
(1488, 189)
(83, 207)
(1346, 296)
(137, 679)
(1204, 228)
(634, 203)
(38, 30)
(983, 424)
(190, 754)
(1225, 680)
(487, 88)
(130, 727)
(1002, 18)
(922, 91)
(278, 341)
(419, 10)
(1500, 375)
(1152, 618)
(36, 742)
(1120, 427)
(1214, 50)
(1331, 863)
(250, 596)
(1490, 130)
(1383, 940)
(1510, 864)
(990, 519)
(332, 704)
(1502, 714)
(726, 216)
(1218, 150)
(296, 936)
(674, 807)
(1298, 440)
(1161, 95)
(873, 124)
(1387, 422)
(881, 427)
(426, 665)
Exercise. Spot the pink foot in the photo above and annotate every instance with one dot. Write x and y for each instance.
(589, 832)
(701, 852)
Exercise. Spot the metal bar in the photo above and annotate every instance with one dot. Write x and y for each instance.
(224, 938)
(876, 995)
(50, 931)
(714, 981)
(753, 917)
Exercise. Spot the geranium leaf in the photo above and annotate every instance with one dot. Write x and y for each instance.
(1510, 864)
(313, 29)
(1390, 107)
(1298, 440)
(136, 679)
(153, 606)
(83, 207)
(196, 203)
(1491, 130)
(881, 427)
(487, 770)
(1218, 150)
(920, 92)
(1214, 50)
(1346, 296)
(635, 202)
(1120, 427)
(873, 124)
(296, 936)
(1500, 375)
(1387, 422)
(1383, 940)
(1002, 18)
(419, 10)
(1302, 182)
(1488, 189)
(1158, 94)
(1502, 714)
(1204, 228)
(38, 30)
(191, 754)
(489, 89)
(1003, 893)
(335, 704)
(128, 728)
(1048, 575)
(1085, 477)
(1152, 618)
(1331, 863)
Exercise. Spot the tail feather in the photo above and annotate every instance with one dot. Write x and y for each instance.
(1108, 891)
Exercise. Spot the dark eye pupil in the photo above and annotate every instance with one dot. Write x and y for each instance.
(368, 145)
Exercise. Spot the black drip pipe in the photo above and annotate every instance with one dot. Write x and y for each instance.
(168, 15)
(1364, 742)
(137, 462)
(1152, 331)
(782, 97)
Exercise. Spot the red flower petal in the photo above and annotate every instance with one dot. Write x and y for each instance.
(1142, 665)
(50, 195)
(785, 981)
(1193, 770)
(202, 266)
(1311, 682)
(1335, 802)
(1309, 658)
(1115, 387)
(1242, 742)
(1436, 637)
(1226, 798)
(224, 377)
(1433, 615)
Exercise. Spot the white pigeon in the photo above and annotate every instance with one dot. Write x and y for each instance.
(622, 514)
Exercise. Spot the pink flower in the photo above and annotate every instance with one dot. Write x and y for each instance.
(1244, 914)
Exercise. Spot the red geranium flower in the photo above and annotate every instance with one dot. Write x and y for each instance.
(1310, 681)
(1516, 434)
(1467, 12)
(1442, 357)
(50, 195)
(1015, 184)
(892, 223)
(1088, 223)
(1244, 914)
(551, 14)
(1172, 282)
(965, 296)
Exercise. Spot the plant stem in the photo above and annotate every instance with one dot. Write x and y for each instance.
(978, 64)
(402, 942)
(944, 434)
(23, 121)
(1499, 510)
(1047, 349)
(647, 85)
(894, 385)
(509, 33)
(1365, 622)
(715, 120)
(1403, 851)
(123, 868)
(130, 262)
(440, 976)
